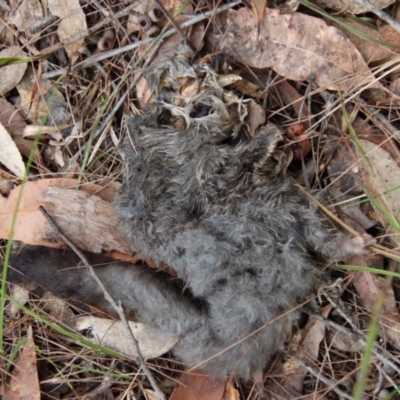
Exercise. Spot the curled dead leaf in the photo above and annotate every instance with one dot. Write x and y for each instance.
(13, 73)
(110, 333)
(10, 155)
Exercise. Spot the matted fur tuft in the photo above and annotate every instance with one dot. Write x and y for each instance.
(213, 205)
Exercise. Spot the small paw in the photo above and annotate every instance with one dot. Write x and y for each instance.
(359, 243)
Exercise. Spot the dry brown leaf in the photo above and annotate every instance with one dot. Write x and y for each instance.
(82, 215)
(382, 175)
(343, 342)
(256, 117)
(370, 51)
(111, 334)
(15, 125)
(353, 6)
(296, 46)
(42, 100)
(24, 381)
(73, 21)
(258, 8)
(369, 286)
(7, 37)
(143, 92)
(10, 155)
(26, 15)
(390, 35)
(390, 323)
(13, 73)
(343, 169)
(367, 132)
(315, 333)
(290, 96)
(195, 386)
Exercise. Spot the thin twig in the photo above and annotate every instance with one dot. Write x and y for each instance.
(329, 382)
(81, 35)
(103, 56)
(378, 351)
(381, 14)
(156, 46)
(175, 25)
(381, 117)
(117, 306)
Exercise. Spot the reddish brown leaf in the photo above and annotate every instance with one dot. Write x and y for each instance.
(313, 335)
(24, 382)
(195, 386)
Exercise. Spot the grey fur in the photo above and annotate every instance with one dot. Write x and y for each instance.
(217, 209)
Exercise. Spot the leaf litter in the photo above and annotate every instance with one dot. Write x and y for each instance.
(299, 71)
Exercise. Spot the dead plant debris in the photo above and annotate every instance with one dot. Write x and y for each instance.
(325, 72)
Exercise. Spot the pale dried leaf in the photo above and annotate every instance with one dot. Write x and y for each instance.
(296, 46)
(73, 21)
(26, 15)
(10, 155)
(353, 6)
(56, 307)
(381, 175)
(24, 381)
(15, 125)
(143, 92)
(110, 333)
(20, 294)
(256, 117)
(13, 73)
